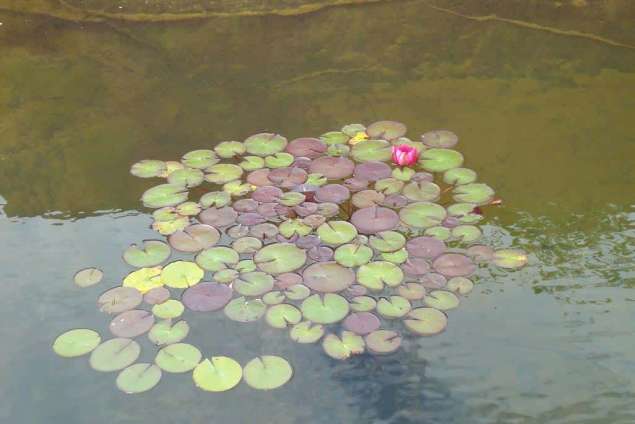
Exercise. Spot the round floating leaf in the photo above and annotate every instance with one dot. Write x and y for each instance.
(307, 332)
(383, 342)
(217, 258)
(291, 198)
(334, 137)
(119, 299)
(338, 150)
(223, 173)
(307, 242)
(352, 129)
(187, 177)
(251, 163)
(355, 184)
(320, 253)
(88, 277)
(246, 245)
(165, 333)
(387, 130)
(148, 168)
(169, 309)
(367, 198)
(363, 303)
(138, 378)
(263, 231)
(243, 310)
(265, 144)
(422, 214)
(279, 160)
(422, 191)
(393, 307)
(454, 265)
(259, 177)
(156, 296)
(245, 205)
(217, 374)
(194, 238)
(236, 188)
(215, 198)
(279, 258)
(328, 277)
(412, 291)
(439, 138)
(372, 171)
(425, 247)
(374, 275)
(188, 209)
(131, 323)
(168, 227)
(311, 148)
(372, 150)
(458, 176)
(225, 276)
(144, 279)
(395, 201)
(440, 160)
(361, 323)
(287, 177)
(266, 194)
(325, 309)
(398, 257)
(316, 180)
(336, 232)
(297, 292)
(253, 284)
(283, 315)
(171, 166)
(178, 358)
(267, 372)
(460, 285)
(387, 241)
(332, 167)
(199, 159)
(275, 297)
(352, 255)
(292, 227)
(510, 258)
(334, 193)
(389, 186)
(432, 280)
(250, 218)
(153, 253)
(114, 355)
(441, 299)
(76, 342)
(403, 174)
(206, 297)
(374, 219)
(343, 348)
(328, 210)
(464, 212)
(229, 149)
(181, 274)
(480, 253)
(164, 195)
(466, 233)
(438, 232)
(477, 193)
(415, 266)
(426, 321)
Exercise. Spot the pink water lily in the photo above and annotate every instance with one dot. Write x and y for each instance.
(405, 155)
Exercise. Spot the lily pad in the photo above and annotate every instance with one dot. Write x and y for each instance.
(334, 137)
(144, 279)
(362, 323)
(510, 258)
(200, 159)
(393, 307)
(440, 138)
(168, 227)
(251, 163)
(132, 323)
(119, 299)
(387, 241)
(259, 177)
(477, 193)
(438, 232)
(279, 258)
(460, 285)
(292, 227)
(356, 184)
(171, 308)
(188, 209)
(320, 253)
(306, 332)
(114, 355)
(333, 167)
(422, 214)
(88, 277)
(165, 333)
(138, 378)
(387, 130)
(311, 148)
(217, 258)
(372, 171)
(336, 232)
(171, 166)
(297, 292)
(225, 276)
(283, 315)
(352, 255)
(315, 180)
(454, 265)
(266, 194)
(181, 274)
(395, 201)
(291, 198)
(279, 160)
(433, 280)
(246, 245)
(426, 321)
(440, 160)
(218, 217)
(253, 284)
(288, 177)
(480, 253)
(352, 129)
(77, 342)
(267, 372)
(229, 149)
(458, 176)
(466, 233)
(343, 347)
(178, 358)
(328, 209)
(372, 150)
(464, 212)
(194, 238)
(217, 374)
(328, 277)
(403, 174)
(363, 303)
(367, 198)
(275, 297)
(148, 168)
(187, 177)
(422, 191)
(388, 186)
(265, 144)
(325, 309)
(236, 188)
(151, 254)
(415, 266)
(245, 205)
(245, 310)
(338, 150)
(397, 257)
(205, 297)
(164, 195)
(250, 218)
(375, 275)
(441, 299)
(263, 231)
(334, 193)
(223, 173)
(383, 342)
(411, 291)
(374, 219)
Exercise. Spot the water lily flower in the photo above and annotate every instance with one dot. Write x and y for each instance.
(358, 138)
(405, 155)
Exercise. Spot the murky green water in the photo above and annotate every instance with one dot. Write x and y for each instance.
(544, 117)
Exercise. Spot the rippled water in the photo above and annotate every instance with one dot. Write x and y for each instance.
(544, 116)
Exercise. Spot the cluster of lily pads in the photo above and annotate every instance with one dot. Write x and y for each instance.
(331, 238)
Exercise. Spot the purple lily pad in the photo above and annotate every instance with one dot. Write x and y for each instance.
(288, 279)
(451, 222)
(356, 290)
(218, 217)
(422, 176)
(271, 210)
(307, 242)
(362, 323)
(425, 247)
(314, 220)
(238, 231)
(374, 219)
(245, 205)
(480, 253)
(311, 148)
(454, 265)
(386, 130)
(372, 171)
(266, 194)
(328, 277)
(415, 266)
(335, 168)
(205, 297)
(287, 177)
(367, 198)
(132, 323)
(194, 238)
(356, 184)
(395, 201)
(320, 253)
(250, 218)
(432, 280)
(259, 177)
(306, 209)
(383, 342)
(119, 299)
(263, 231)
(334, 193)
(302, 163)
(282, 239)
(328, 209)
(156, 295)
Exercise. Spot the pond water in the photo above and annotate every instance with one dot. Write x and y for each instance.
(542, 98)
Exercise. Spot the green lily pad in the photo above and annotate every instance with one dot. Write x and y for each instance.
(236, 188)
(144, 279)
(393, 307)
(170, 227)
(138, 378)
(292, 227)
(464, 212)
(440, 160)
(306, 332)
(422, 214)
(88, 277)
(246, 265)
(325, 309)
(334, 137)
(460, 285)
(171, 308)
(119, 299)
(291, 198)
(336, 232)
(477, 193)
(181, 274)
(510, 258)
(441, 299)
(199, 159)
(386, 130)
(383, 342)
(244, 310)
(165, 333)
(387, 241)
(114, 354)
(363, 303)
(411, 291)
(246, 245)
(217, 258)
(167, 213)
(367, 198)
(253, 284)
(279, 160)
(76, 342)
(188, 209)
(148, 168)
(316, 179)
(297, 292)
(374, 275)
(275, 297)
(439, 232)
(439, 138)
(225, 276)
(426, 321)
(283, 315)
(170, 167)
(343, 347)
(223, 173)
(388, 186)
(164, 195)
(352, 255)
(338, 150)
(352, 129)
(217, 199)
(458, 176)
(422, 191)
(187, 177)
(251, 163)
(267, 372)
(217, 374)
(403, 174)
(466, 233)
(397, 257)
(265, 144)
(279, 258)
(365, 151)
(178, 358)
(229, 149)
